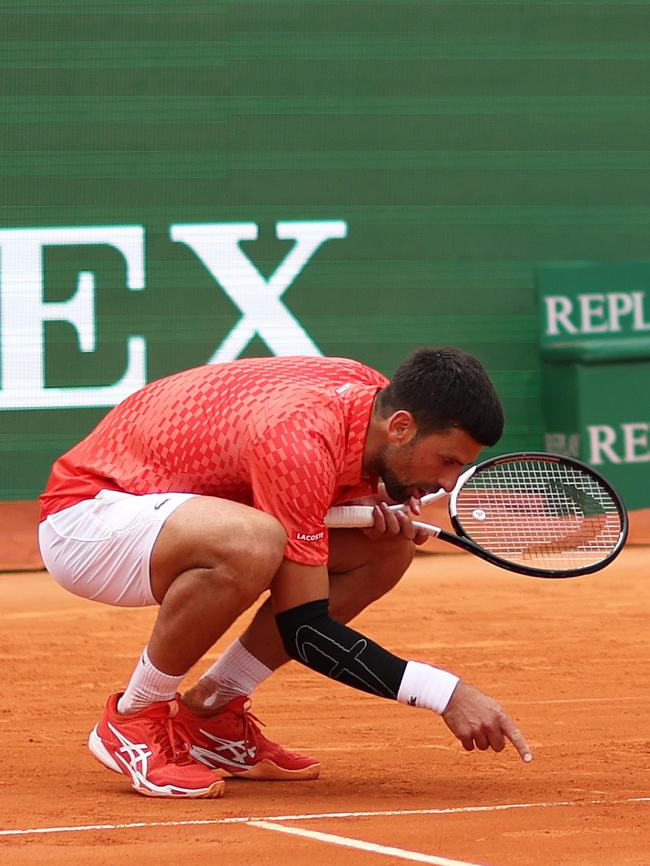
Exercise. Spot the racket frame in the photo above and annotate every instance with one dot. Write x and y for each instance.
(464, 542)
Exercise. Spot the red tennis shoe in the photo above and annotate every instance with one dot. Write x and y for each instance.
(152, 749)
(231, 741)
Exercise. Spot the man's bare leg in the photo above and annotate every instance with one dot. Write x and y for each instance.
(205, 571)
(361, 571)
(211, 561)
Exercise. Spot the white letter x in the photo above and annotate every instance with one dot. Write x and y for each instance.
(217, 245)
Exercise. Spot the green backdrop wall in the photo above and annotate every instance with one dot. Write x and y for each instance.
(391, 174)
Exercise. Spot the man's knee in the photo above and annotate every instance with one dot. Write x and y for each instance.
(397, 552)
(351, 550)
(252, 554)
(261, 545)
(364, 570)
(389, 560)
(251, 562)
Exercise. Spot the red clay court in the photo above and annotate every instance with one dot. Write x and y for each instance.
(570, 660)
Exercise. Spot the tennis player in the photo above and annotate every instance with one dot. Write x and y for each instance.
(205, 489)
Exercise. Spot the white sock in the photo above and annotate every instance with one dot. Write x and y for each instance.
(236, 673)
(146, 686)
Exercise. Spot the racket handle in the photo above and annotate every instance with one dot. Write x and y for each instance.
(341, 516)
(350, 516)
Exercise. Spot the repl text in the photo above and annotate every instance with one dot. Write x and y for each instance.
(597, 313)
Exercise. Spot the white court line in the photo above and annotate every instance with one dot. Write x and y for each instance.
(452, 810)
(609, 700)
(346, 842)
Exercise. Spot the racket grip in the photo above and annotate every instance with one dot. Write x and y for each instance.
(341, 516)
(350, 516)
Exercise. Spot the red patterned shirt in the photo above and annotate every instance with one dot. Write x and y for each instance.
(285, 435)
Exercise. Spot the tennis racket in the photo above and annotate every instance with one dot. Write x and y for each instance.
(535, 513)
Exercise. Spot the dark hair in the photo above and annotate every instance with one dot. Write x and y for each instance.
(445, 387)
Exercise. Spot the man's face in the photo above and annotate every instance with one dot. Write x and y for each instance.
(426, 463)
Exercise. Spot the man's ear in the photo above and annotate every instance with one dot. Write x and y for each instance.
(401, 427)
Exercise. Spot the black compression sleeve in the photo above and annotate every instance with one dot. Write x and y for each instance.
(312, 637)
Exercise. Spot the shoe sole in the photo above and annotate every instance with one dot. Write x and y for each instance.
(99, 751)
(266, 771)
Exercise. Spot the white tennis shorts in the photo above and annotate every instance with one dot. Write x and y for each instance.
(101, 548)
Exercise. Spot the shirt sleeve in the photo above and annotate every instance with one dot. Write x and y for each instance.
(293, 477)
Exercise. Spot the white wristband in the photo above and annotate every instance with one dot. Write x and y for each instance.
(425, 686)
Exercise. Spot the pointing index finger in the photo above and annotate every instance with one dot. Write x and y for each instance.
(517, 739)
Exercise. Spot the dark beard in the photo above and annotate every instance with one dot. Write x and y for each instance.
(394, 487)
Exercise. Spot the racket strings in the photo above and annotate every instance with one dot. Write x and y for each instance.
(538, 512)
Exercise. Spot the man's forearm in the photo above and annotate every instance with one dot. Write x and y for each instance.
(312, 637)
